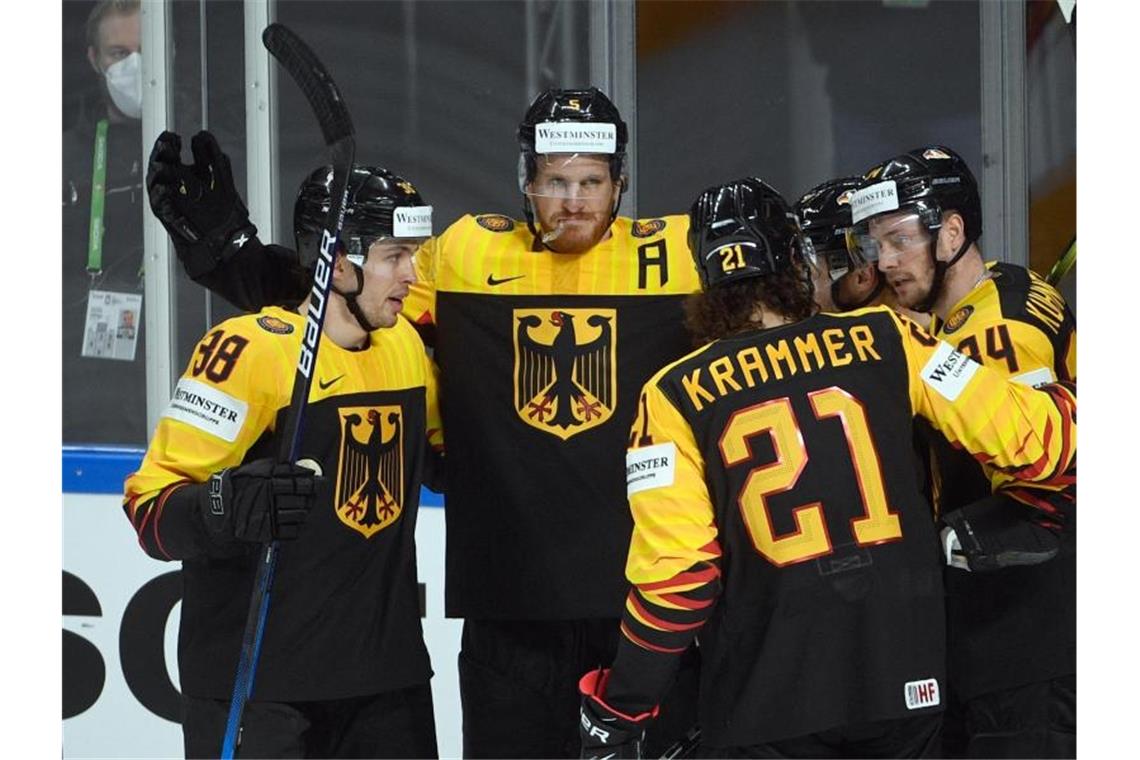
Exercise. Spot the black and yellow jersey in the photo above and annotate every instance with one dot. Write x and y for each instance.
(775, 502)
(1017, 626)
(345, 615)
(541, 358)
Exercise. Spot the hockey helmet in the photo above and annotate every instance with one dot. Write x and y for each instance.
(380, 205)
(824, 213)
(742, 229)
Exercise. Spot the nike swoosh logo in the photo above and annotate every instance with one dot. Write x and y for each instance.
(325, 386)
(492, 280)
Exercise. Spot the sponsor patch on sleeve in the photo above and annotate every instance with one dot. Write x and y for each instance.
(1035, 377)
(948, 371)
(920, 694)
(650, 467)
(207, 408)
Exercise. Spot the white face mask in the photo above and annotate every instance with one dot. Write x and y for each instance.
(124, 83)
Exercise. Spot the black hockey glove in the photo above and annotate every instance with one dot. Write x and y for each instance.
(604, 731)
(198, 205)
(997, 532)
(259, 501)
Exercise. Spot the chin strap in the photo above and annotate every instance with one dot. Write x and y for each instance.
(350, 300)
(940, 268)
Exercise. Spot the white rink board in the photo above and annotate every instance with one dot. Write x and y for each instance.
(99, 548)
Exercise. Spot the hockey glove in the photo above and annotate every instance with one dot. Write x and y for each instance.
(604, 731)
(198, 205)
(997, 532)
(261, 501)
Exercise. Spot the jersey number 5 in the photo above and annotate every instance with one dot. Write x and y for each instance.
(810, 539)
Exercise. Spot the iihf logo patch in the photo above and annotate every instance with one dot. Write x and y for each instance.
(920, 694)
(565, 368)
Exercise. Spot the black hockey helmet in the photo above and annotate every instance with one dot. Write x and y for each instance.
(539, 133)
(742, 229)
(824, 213)
(931, 180)
(589, 106)
(380, 204)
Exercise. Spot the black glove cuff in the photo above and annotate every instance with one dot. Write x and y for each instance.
(998, 532)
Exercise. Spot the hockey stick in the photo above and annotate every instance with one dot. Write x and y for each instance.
(684, 746)
(336, 126)
(1063, 265)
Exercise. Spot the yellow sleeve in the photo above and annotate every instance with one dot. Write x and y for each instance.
(224, 401)
(434, 420)
(419, 306)
(674, 555)
(1021, 433)
(1034, 355)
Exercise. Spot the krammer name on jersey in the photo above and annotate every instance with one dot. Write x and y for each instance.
(831, 347)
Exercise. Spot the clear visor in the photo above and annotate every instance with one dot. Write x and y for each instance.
(358, 249)
(887, 237)
(837, 260)
(568, 176)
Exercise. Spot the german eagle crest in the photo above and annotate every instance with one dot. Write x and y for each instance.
(370, 476)
(565, 368)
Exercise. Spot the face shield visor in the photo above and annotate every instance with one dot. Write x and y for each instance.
(571, 161)
(828, 248)
(887, 238)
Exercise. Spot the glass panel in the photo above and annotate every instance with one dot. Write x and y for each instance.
(430, 98)
(104, 343)
(797, 93)
(104, 394)
(1051, 119)
(217, 104)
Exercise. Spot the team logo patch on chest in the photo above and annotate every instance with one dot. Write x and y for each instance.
(274, 325)
(565, 379)
(495, 222)
(957, 319)
(370, 474)
(647, 228)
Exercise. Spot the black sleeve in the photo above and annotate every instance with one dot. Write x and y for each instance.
(256, 276)
(170, 527)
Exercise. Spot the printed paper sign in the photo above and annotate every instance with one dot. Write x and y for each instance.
(111, 329)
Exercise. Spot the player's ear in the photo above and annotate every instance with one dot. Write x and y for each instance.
(953, 230)
(91, 58)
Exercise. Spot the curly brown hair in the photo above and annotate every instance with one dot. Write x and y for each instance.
(726, 309)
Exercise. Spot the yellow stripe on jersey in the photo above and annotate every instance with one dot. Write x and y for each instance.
(241, 376)
(1020, 432)
(674, 525)
(638, 258)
